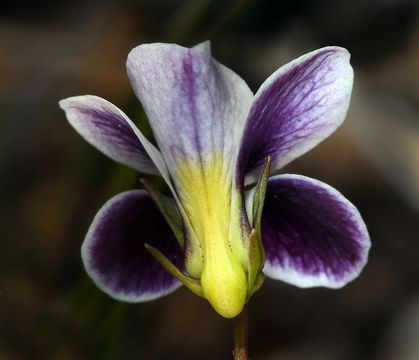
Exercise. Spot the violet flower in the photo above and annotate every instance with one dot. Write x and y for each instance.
(215, 137)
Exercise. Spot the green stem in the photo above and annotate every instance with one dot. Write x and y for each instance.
(240, 336)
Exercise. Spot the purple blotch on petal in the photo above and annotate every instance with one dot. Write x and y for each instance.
(114, 254)
(312, 235)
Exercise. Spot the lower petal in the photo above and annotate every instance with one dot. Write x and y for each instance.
(113, 251)
(312, 235)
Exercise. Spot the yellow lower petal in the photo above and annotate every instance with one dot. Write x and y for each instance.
(224, 284)
(205, 190)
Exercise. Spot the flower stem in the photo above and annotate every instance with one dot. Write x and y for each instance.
(240, 336)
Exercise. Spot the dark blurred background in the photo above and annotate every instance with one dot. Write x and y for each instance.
(53, 182)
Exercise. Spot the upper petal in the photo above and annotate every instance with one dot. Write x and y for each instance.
(312, 235)
(196, 106)
(298, 106)
(108, 129)
(113, 251)
(197, 109)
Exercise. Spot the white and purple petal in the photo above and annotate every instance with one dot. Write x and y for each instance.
(196, 106)
(113, 251)
(298, 106)
(312, 235)
(108, 129)
(197, 109)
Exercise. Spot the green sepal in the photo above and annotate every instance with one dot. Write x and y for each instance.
(259, 195)
(192, 284)
(256, 260)
(258, 284)
(168, 210)
(258, 202)
(256, 252)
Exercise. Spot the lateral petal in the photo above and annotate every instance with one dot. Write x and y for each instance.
(113, 251)
(297, 107)
(108, 129)
(312, 235)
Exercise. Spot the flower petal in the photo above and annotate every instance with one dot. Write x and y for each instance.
(197, 109)
(107, 128)
(312, 235)
(298, 106)
(196, 106)
(113, 251)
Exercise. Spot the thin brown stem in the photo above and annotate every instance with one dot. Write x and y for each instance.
(240, 336)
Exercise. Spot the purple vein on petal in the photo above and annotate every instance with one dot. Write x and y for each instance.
(196, 106)
(298, 106)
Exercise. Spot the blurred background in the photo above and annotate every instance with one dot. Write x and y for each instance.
(53, 182)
